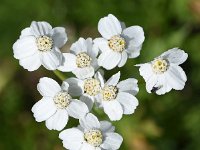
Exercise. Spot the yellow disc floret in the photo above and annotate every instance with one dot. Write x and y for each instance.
(92, 86)
(83, 60)
(159, 66)
(117, 43)
(62, 100)
(93, 137)
(44, 43)
(109, 93)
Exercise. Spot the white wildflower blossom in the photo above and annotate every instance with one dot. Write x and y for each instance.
(164, 73)
(87, 88)
(92, 134)
(39, 45)
(57, 105)
(82, 59)
(117, 43)
(118, 98)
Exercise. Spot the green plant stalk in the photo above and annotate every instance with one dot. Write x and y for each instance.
(60, 75)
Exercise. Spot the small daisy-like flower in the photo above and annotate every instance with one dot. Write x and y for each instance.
(118, 43)
(118, 98)
(82, 60)
(92, 134)
(56, 105)
(39, 45)
(87, 88)
(164, 73)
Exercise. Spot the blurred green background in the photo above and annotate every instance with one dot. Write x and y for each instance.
(168, 122)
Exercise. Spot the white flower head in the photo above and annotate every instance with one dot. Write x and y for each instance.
(82, 60)
(118, 98)
(117, 43)
(57, 105)
(92, 134)
(39, 45)
(87, 88)
(164, 73)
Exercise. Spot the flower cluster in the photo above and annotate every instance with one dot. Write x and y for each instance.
(40, 44)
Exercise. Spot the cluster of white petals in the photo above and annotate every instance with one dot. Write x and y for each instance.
(40, 44)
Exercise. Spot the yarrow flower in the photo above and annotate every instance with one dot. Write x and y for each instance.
(57, 105)
(118, 98)
(118, 43)
(91, 135)
(39, 45)
(164, 73)
(81, 60)
(87, 89)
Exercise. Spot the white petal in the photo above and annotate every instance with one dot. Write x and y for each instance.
(90, 121)
(175, 56)
(109, 26)
(94, 64)
(83, 73)
(79, 46)
(176, 77)
(112, 141)
(123, 59)
(133, 51)
(31, 63)
(51, 60)
(162, 85)
(69, 63)
(113, 109)
(75, 86)
(65, 86)
(26, 32)
(99, 76)
(87, 100)
(135, 34)
(59, 36)
(109, 59)
(25, 47)
(106, 127)
(43, 109)
(147, 73)
(41, 28)
(48, 87)
(87, 146)
(58, 121)
(102, 44)
(128, 102)
(91, 50)
(151, 82)
(114, 79)
(72, 138)
(129, 85)
(77, 109)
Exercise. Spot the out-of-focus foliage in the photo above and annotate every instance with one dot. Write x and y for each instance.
(168, 122)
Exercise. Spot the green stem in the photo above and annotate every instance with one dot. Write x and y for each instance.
(60, 75)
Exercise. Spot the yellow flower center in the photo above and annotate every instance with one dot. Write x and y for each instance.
(44, 43)
(92, 86)
(117, 43)
(94, 137)
(109, 93)
(159, 66)
(62, 100)
(83, 60)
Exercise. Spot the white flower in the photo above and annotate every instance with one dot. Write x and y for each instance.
(82, 60)
(118, 43)
(164, 73)
(87, 88)
(39, 45)
(118, 98)
(56, 105)
(91, 135)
